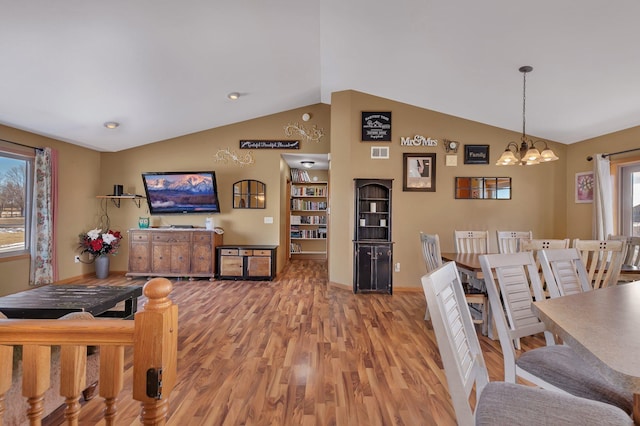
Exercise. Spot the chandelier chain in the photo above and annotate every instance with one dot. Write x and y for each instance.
(524, 103)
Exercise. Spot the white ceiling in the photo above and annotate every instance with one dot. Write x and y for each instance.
(163, 68)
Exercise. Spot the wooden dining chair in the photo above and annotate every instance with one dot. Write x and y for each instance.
(433, 259)
(510, 241)
(509, 278)
(603, 260)
(564, 272)
(495, 403)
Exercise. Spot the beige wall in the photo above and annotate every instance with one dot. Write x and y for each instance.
(537, 204)
(197, 152)
(579, 216)
(543, 196)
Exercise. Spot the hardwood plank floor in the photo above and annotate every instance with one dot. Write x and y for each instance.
(297, 351)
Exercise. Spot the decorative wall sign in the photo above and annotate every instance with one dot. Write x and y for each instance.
(476, 154)
(418, 140)
(584, 187)
(376, 126)
(419, 172)
(260, 144)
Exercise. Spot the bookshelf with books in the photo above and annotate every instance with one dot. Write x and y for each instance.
(307, 218)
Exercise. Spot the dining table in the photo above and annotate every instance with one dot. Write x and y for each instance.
(468, 263)
(603, 326)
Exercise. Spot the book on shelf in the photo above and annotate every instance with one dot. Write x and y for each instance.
(298, 175)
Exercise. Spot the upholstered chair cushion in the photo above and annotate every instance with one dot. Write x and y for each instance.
(511, 404)
(562, 367)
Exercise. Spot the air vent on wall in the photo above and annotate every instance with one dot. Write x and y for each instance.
(380, 152)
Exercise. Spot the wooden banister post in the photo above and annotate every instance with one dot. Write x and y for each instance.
(36, 376)
(155, 352)
(6, 365)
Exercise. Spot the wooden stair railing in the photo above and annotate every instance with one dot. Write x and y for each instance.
(153, 334)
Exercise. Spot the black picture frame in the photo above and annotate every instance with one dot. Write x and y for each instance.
(476, 154)
(419, 172)
(376, 126)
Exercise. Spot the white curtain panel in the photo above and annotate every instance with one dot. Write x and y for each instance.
(603, 199)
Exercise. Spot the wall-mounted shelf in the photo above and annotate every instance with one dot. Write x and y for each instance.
(116, 199)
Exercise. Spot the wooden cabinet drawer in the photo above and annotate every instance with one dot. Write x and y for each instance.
(171, 237)
(139, 236)
(262, 253)
(229, 252)
(246, 252)
(201, 237)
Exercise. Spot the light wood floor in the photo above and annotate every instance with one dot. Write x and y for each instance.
(296, 351)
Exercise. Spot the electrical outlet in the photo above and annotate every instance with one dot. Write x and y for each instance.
(76, 259)
(398, 267)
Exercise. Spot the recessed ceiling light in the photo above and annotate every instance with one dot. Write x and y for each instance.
(307, 164)
(111, 125)
(233, 96)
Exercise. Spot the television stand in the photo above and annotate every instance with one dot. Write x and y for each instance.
(156, 252)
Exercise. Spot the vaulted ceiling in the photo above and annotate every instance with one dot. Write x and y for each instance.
(164, 68)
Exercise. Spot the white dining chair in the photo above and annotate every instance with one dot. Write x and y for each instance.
(631, 256)
(603, 260)
(432, 256)
(495, 403)
(508, 279)
(471, 241)
(510, 241)
(564, 272)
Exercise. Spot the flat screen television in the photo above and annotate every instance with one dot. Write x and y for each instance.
(181, 192)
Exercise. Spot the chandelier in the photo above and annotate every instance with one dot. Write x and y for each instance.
(526, 153)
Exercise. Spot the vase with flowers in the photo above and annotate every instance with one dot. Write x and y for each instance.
(100, 245)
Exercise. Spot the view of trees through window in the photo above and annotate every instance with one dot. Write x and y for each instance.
(13, 204)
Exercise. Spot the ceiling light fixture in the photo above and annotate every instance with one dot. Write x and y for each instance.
(307, 164)
(111, 125)
(233, 96)
(526, 153)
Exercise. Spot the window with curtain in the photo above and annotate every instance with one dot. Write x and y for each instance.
(629, 196)
(16, 188)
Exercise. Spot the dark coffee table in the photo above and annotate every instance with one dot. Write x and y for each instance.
(54, 301)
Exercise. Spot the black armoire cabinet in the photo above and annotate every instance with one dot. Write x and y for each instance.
(373, 248)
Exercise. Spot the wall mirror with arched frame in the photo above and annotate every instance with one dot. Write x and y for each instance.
(249, 194)
(483, 188)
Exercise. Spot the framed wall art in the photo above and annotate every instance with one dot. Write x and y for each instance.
(584, 187)
(376, 126)
(476, 154)
(419, 172)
